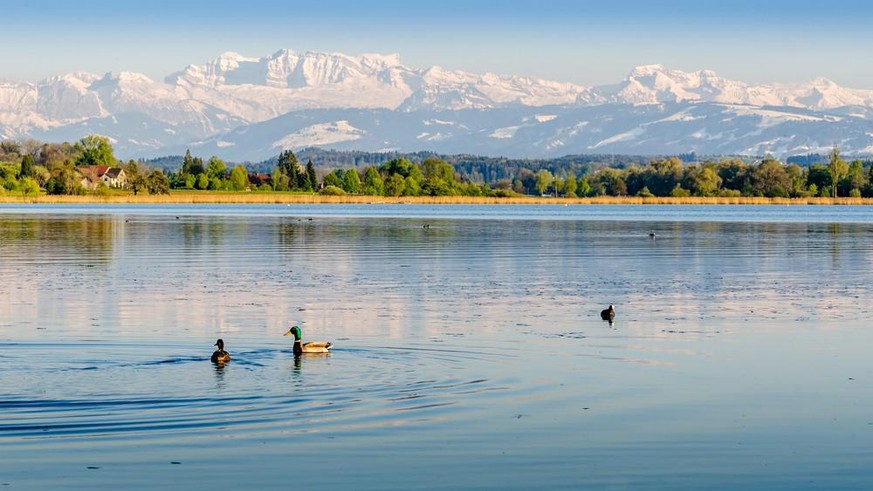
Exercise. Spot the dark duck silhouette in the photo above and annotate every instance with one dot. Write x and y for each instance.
(311, 347)
(608, 314)
(219, 355)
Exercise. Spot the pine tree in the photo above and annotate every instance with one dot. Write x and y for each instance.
(197, 167)
(311, 177)
(287, 163)
(26, 166)
(187, 163)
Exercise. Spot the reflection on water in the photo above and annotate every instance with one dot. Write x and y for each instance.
(471, 343)
(131, 276)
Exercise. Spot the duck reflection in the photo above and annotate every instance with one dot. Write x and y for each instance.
(219, 374)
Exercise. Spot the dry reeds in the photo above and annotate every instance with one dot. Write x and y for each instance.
(222, 197)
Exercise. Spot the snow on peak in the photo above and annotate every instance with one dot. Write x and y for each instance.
(388, 60)
(823, 83)
(74, 78)
(319, 134)
(128, 77)
(646, 70)
(234, 90)
(233, 56)
(655, 84)
(285, 68)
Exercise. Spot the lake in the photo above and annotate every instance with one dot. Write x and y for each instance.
(468, 353)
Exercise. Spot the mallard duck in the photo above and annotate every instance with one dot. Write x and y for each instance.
(219, 355)
(608, 314)
(311, 347)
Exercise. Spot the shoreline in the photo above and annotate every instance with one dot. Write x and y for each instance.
(251, 198)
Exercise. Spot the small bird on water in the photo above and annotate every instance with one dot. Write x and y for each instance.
(311, 347)
(608, 314)
(219, 355)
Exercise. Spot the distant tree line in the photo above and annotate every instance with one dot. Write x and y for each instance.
(395, 177)
(30, 167)
(728, 177)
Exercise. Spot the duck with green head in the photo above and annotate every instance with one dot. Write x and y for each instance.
(219, 355)
(311, 347)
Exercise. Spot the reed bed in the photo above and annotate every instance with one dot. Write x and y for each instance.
(217, 197)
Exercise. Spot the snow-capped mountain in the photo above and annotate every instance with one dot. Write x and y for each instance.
(247, 108)
(651, 84)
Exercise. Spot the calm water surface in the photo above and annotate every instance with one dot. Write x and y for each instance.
(469, 352)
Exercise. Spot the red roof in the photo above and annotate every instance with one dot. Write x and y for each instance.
(98, 170)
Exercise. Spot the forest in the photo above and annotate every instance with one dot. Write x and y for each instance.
(31, 168)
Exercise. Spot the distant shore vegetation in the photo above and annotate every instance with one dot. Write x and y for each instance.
(88, 169)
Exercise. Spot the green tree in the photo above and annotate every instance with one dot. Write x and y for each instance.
(41, 175)
(680, 192)
(770, 179)
(661, 176)
(798, 180)
(613, 183)
(197, 166)
(7, 177)
(702, 180)
(438, 179)
(395, 185)
(402, 178)
(351, 182)
(279, 180)
(373, 183)
(158, 183)
(334, 178)
(64, 180)
(187, 163)
(27, 165)
(570, 185)
(216, 168)
(734, 174)
(239, 178)
(332, 190)
(288, 163)
(609, 181)
(544, 180)
(837, 168)
(583, 187)
(411, 187)
(644, 193)
(636, 178)
(28, 186)
(94, 150)
(202, 181)
(400, 166)
(855, 178)
(136, 179)
(819, 176)
(311, 176)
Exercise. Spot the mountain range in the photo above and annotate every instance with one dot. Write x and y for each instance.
(242, 108)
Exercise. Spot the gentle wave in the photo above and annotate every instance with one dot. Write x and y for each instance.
(265, 390)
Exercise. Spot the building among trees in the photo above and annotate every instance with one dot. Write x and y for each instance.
(94, 175)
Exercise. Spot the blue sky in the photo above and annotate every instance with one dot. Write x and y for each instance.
(586, 42)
